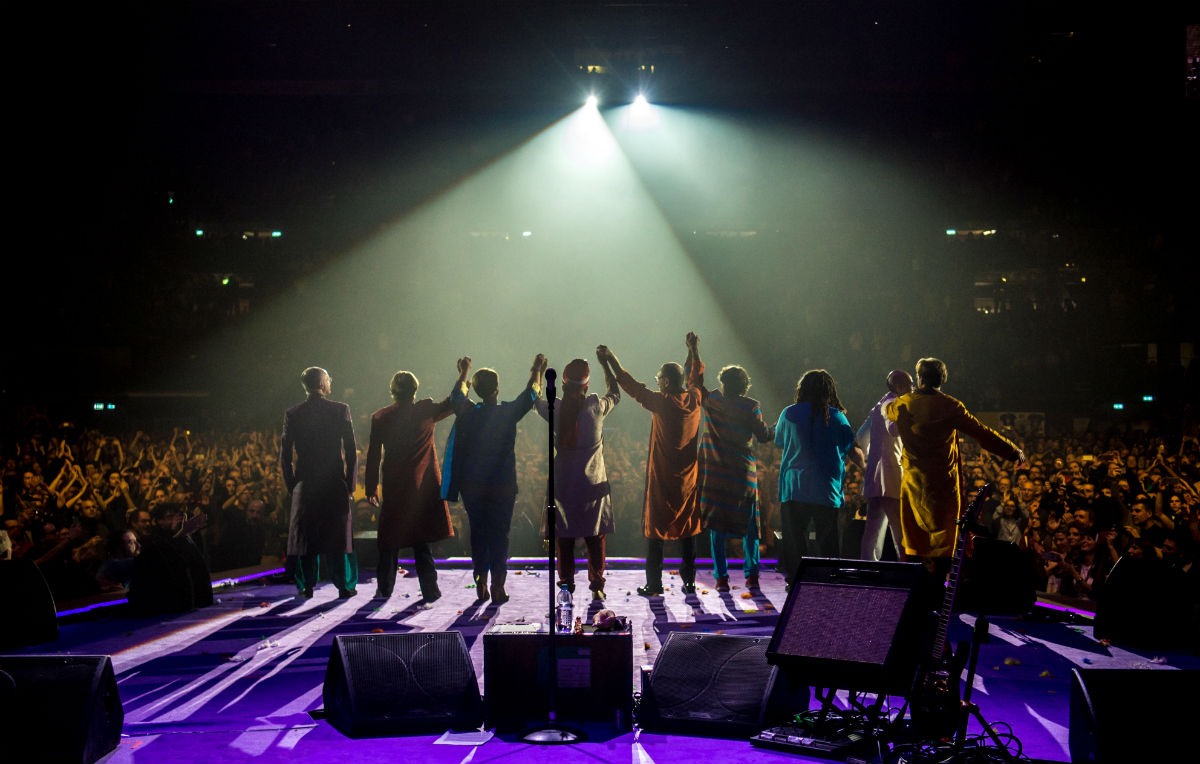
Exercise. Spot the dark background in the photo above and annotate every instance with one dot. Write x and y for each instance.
(1066, 126)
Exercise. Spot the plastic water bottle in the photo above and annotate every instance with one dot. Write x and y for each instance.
(563, 609)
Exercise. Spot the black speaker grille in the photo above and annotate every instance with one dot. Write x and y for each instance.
(711, 677)
(67, 707)
(408, 675)
(853, 624)
(845, 623)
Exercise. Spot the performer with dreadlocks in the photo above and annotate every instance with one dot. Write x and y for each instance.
(816, 439)
(580, 481)
(929, 422)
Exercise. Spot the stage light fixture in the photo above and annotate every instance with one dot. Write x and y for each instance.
(640, 100)
(592, 101)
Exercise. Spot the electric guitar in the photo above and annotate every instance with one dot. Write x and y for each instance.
(936, 698)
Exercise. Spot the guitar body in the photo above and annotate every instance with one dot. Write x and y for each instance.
(936, 699)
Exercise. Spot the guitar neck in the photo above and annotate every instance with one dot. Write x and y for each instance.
(960, 546)
(943, 627)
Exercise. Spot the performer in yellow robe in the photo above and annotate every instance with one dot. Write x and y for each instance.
(929, 422)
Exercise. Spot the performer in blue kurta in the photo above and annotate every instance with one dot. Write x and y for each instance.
(483, 468)
(816, 439)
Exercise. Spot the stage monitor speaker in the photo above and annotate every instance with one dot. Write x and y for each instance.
(27, 605)
(380, 685)
(854, 625)
(595, 678)
(715, 685)
(997, 579)
(59, 708)
(169, 576)
(1143, 603)
(1127, 715)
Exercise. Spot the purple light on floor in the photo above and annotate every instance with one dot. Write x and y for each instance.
(215, 584)
(1066, 609)
(93, 606)
(466, 561)
(250, 577)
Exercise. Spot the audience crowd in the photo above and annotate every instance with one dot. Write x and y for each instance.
(84, 504)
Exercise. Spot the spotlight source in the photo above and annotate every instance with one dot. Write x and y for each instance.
(641, 113)
(592, 101)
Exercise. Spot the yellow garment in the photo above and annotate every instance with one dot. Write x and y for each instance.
(929, 493)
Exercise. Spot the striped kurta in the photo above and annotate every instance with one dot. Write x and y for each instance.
(728, 471)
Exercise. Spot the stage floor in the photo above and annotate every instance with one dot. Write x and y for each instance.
(235, 682)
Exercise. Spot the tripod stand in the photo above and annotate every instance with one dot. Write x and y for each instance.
(551, 733)
(967, 709)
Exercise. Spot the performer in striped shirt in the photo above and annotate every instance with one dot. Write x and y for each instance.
(728, 470)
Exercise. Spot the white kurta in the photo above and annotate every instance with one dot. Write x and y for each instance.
(879, 438)
(580, 482)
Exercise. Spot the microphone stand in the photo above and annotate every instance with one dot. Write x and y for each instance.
(551, 733)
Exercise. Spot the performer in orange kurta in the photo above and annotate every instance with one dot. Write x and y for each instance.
(929, 421)
(671, 509)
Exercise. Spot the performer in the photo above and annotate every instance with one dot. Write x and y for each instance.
(483, 467)
(321, 481)
(728, 469)
(581, 483)
(671, 510)
(929, 422)
(817, 440)
(413, 513)
(881, 479)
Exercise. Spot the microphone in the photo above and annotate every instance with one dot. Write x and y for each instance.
(551, 375)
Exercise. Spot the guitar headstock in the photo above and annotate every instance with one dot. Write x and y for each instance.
(972, 512)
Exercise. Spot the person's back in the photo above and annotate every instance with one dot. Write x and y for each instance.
(482, 467)
(928, 421)
(670, 510)
(316, 428)
(485, 445)
(405, 431)
(813, 454)
(732, 423)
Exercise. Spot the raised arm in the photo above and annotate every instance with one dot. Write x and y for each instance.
(693, 367)
(692, 342)
(458, 393)
(609, 359)
(610, 377)
(536, 371)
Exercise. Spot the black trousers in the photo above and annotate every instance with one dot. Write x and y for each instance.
(490, 519)
(654, 561)
(795, 517)
(385, 573)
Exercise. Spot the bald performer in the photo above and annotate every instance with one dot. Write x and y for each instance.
(879, 438)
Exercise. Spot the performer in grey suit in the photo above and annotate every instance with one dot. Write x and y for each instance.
(321, 481)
